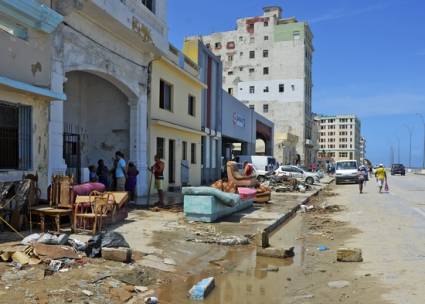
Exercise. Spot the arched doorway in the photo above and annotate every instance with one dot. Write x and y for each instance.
(96, 121)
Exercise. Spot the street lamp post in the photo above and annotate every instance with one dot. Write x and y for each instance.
(398, 149)
(410, 130)
(423, 122)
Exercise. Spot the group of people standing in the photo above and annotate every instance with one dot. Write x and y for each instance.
(123, 176)
(380, 176)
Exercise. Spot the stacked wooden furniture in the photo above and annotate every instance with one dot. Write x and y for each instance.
(92, 212)
(233, 175)
(60, 203)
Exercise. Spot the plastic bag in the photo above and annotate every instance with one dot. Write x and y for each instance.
(386, 187)
(93, 248)
(114, 240)
(108, 240)
(30, 238)
(51, 239)
(77, 244)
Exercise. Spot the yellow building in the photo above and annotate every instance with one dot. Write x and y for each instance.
(175, 119)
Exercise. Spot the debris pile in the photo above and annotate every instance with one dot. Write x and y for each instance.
(208, 235)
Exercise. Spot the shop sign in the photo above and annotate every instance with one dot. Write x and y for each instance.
(238, 120)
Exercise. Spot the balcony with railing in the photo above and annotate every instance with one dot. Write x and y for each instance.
(176, 56)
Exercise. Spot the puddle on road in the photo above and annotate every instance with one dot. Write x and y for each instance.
(242, 277)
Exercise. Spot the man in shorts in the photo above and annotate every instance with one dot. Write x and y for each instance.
(381, 177)
(158, 172)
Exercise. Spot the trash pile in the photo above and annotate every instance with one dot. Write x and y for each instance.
(208, 235)
(15, 200)
(59, 252)
(284, 183)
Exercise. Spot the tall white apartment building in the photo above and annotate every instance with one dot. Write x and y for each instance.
(267, 64)
(339, 137)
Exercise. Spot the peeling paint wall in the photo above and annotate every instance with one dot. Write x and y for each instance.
(26, 60)
(100, 113)
(39, 137)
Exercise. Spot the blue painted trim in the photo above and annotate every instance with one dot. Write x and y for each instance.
(22, 86)
(32, 14)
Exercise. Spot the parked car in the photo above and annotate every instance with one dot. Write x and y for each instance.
(262, 164)
(294, 171)
(398, 169)
(346, 171)
(319, 172)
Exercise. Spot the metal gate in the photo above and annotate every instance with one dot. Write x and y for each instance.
(72, 154)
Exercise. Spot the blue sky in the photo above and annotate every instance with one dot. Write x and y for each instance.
(369, 59)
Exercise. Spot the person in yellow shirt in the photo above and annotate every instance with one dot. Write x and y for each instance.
(381, 177)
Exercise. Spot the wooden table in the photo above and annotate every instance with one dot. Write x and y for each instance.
(46, 211)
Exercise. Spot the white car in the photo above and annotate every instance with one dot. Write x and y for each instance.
(346, 171)
(296, 172)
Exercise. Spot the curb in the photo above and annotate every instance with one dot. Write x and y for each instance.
(263, 235)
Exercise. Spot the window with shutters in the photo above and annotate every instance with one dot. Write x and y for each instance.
(15, 137)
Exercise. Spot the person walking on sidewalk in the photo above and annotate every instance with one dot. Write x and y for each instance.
(158, 172)
(362, 176)
(381, 177)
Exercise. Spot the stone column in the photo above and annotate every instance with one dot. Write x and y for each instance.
(56, 163)
(138, 140)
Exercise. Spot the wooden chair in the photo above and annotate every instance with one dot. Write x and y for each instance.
(91, 213)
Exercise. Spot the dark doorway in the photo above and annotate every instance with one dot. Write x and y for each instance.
(72, 154)
(171, 158)
(9, 137)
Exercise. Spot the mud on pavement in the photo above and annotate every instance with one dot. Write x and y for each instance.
(312, 276)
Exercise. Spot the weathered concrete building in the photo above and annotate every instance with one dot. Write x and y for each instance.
(210, 73)
(339, 137)
(267, 64)
(102, 54)
(26, 29)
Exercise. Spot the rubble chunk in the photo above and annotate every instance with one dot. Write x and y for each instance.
(349, 255)
(21, 258)
(272, 252)
(200, 290)
(120, 254)
(338, 284)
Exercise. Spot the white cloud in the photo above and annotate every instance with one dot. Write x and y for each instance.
(378, 105)
(342, 13)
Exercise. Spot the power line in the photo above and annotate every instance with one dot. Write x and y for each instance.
(104, 47)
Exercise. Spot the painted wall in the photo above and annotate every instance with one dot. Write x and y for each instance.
(183, 86)
(180, 126)
(40, 137)
(26, 60)
(210, 73)
(100, 113)
(178, 136)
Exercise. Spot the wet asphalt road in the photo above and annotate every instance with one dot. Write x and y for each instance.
(392, 234)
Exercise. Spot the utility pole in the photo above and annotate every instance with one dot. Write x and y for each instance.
(410, 130)
(423, 122)
(392, 154)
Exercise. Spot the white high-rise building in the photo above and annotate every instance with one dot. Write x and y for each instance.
(267, 64)
(339, 137)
